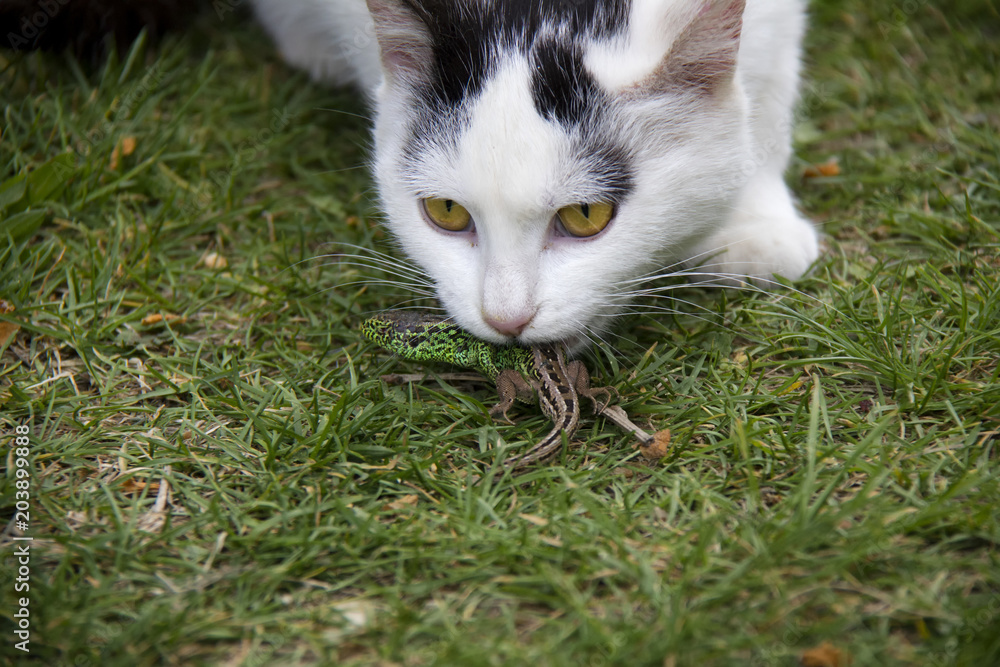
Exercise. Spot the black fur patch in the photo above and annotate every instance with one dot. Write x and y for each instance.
(467, 37)
(88, 27)
(562, 89)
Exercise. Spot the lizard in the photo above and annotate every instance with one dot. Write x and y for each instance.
(520, 373)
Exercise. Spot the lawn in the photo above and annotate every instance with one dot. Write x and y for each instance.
(216, 474)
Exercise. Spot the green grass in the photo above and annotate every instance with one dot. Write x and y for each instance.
(234, 485)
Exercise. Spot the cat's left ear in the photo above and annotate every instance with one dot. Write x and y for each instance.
(404, 40)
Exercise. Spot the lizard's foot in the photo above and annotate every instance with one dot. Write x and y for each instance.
(606, 393)
(510, 387)
(499, 411)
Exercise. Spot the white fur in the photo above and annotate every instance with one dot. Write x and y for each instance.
(333, 40)
(708, 172)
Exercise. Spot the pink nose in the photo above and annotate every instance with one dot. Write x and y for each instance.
(512, 326)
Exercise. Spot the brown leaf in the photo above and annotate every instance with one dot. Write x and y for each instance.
(658, 448)
(214, 261)
(125, 146)
(161, 318)
(401, 503)
(824, 655)
(128, 145)
(828, 168)
(7, 329)
(535, 519)
(133, 485)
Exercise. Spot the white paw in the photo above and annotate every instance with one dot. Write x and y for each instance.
(764, 237)
(757, 250)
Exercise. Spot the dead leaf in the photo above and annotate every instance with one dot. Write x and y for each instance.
(128, 145)
(535, 519)
(153, 520)
(125, 146)
(161, 318)
(7, 329)
(401, 503)
(829, 168)
(214, 261)
(658, 448)
(824, 655)
(133, 485)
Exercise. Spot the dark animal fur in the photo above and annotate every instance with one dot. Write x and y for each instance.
(87, 27)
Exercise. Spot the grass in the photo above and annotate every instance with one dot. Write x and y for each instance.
(219, 476)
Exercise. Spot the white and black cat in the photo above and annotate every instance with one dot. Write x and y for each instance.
(536, 158)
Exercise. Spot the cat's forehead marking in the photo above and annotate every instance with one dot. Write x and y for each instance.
(529, 128)
(468, 38)
(561, 87)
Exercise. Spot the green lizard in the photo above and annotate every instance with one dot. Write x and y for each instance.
(519, 372)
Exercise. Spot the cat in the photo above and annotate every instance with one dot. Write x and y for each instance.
(541, 160)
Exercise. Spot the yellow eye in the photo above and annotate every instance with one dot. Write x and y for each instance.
(447, 214)
(586, 219)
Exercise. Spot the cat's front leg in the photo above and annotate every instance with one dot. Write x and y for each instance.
(764, 237)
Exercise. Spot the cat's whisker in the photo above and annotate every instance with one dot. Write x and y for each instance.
(687, 262)
(591, 334)
(659, 293)
(796, 295)
(381, 258)
(342, 112)
(342, 170)
(374, 260)
(371, 251)
(660, 310)
(699, 271)
(408, 279)
(375, 281)
(785, 289)
(674, 299)
(401, 305)
(376, 263)
(750, 283)
(378, 258)
(391, 272)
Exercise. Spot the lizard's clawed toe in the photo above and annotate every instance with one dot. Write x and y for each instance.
(606, 394)
(499, 413)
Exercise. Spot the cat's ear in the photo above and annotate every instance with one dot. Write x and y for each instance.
(404, 40)
(702, 57)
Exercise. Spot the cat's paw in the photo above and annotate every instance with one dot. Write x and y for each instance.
(764, 237)
(755, 249)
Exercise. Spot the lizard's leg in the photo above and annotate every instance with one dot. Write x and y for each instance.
(511, 386)
(580, 376)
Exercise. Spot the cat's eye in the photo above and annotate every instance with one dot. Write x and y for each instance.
(585, 220)
(447, 214)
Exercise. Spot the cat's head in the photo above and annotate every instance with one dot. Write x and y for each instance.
(534, 156)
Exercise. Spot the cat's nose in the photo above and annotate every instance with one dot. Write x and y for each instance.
(510, 326)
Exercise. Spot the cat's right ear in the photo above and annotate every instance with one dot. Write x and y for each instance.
(404, 41)
(703, 56)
